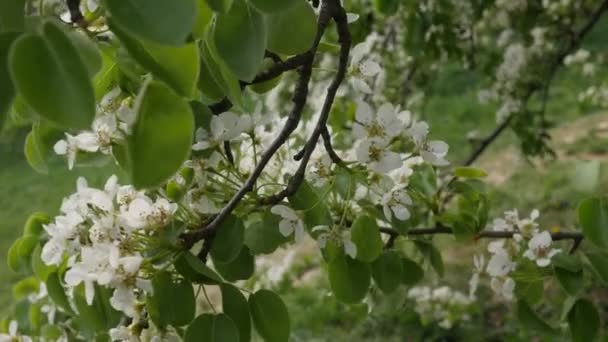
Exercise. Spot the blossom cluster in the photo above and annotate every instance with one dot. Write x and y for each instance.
(101, 236)
(528, 241)
(442, 304)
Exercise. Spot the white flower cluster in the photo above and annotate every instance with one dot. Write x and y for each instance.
(442, 304)
(113, 121)
(528, 242)
(101, 235)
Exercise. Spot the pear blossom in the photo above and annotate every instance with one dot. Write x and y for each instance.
(69, 147)
(343, 238)
(383, 125)
(434, 153)
(362, 68)
(478, 265)
(503, 286)
(377, 156)
(395, 202)
(225, 126)
(539, 249)
(290, 221)
(13, 334)
(500, 264)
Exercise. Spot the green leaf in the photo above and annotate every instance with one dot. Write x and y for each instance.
(234, 304)
(228, 240)
(159, 21)
(204, 15)
(192, 268)
(34, 223)
(172, 302)
(567, 261)
(12, 15)
(412, 272)
(163, 132)
(7, 94)
(41, 270)
(240, 268)
(531, 291)
(264, 237)
(387, 271)
(528, 318)
(599, 264)
(349, 278)
(432, 254)
(51, 77)
(270, 316)
(25, 287)
(88, 51)
(221, 6)
(19, 254)
(365, 234)
(39, 145)
(386, 7)
(240, 39)
(220, 72)
(57, 293)
(314, 207)
(212, 328)
(593, 218)
(584, 321)
(572, 282)
(98, 317)
(293, 31)
(469, 172)
(273, 6)
(178, 66)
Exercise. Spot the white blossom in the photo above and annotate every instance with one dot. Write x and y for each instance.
(539, 249)
(290, 222)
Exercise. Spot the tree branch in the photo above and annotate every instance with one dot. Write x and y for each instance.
(299, 100)
(344, 39)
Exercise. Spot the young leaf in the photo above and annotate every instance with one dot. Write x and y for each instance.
(412, 272)
(599, 264)
(172, 302)
(270, 316)
(584, 321)
(221, 6)
(349, 278)
(212, 328)
(469, 172)
(51, 77)
(192, 268)
(234, 304)
(530, 320)
(273, 6)
(57, 293)
(293, 31)
(365, 234)
(387, 271)
(240, 39)
(19, 254)
(178, 66)
(228, 240)
(35, 222)
(8, 90)
(240, 268)
(163, 132)
(11, 15)
(593, 218)
(159, 21)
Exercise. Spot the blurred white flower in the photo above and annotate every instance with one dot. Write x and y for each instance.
(539, 249)
(290, 222)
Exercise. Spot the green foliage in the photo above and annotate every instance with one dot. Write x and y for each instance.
(158, 21)
(593, 217)
(349, 278)
(193, 269)
(172, 302)
(365, 234)
(235, 306)
(293, 31)
(212, 328)
(228, 241)
(50, 75)
(11, 15)
(270, 316)
(8, 90)
(528, 318)
(273, 6)
(241, 268)
(164, 130)
(387, 271)
(240, 39)
(584, 321)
